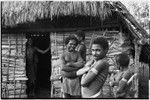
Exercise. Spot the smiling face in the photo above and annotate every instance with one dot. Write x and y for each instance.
(71, 45)
(97, 51)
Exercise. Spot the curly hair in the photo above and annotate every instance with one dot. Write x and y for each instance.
(102, 42)
(123, 59)
(80, 33)
(71, 37)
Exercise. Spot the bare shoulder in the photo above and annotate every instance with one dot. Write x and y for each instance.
(102, 64)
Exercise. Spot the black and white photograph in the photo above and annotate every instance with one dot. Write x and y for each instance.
(75, 49)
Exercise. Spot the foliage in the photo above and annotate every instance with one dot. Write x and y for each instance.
(140, 11)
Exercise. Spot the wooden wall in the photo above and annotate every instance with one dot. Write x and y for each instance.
(13, 66)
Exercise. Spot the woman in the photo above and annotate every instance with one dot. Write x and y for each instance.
(31, 67)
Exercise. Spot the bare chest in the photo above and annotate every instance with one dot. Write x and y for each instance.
(71, 57)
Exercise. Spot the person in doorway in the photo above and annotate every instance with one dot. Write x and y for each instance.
(120, 82)
(71, 60)
(80, 35)
(31, 67)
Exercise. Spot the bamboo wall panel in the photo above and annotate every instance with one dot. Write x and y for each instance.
(13, 66)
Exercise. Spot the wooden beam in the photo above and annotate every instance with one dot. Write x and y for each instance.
(128, 26)
(45, 30)
(127, 15)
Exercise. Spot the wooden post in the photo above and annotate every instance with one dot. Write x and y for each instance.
(16, 43)
(9, 41)
(136, 66)
(56, 44)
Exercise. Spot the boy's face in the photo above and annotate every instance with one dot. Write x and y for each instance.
(71, 45)
(97, 51)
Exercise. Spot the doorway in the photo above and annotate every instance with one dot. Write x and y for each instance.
(43, 70)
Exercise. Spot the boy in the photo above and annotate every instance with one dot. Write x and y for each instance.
(80, 35)
(97, 70)
(120, 81)
(71, 61)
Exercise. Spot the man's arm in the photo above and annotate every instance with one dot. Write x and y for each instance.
(63, 64)
(69, 74)
(79, 63)
(82, 71)
(93, 72)
(69, 68)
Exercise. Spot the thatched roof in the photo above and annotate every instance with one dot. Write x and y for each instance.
(25, 11)
(16, 12)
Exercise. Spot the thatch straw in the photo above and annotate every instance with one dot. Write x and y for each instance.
(14, 12)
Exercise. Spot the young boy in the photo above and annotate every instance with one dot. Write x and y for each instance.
(71, 61)
(120, 81)
(96, 70)
(80, 35)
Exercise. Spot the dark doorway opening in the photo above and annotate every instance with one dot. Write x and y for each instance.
(43, 70)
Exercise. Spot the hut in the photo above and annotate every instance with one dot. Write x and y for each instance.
(49, 22)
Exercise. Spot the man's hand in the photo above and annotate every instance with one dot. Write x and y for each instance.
(82, 71)
(69, 64)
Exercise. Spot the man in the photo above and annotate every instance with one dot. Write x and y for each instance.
(71, 61)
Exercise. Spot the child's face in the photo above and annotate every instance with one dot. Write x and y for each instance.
(79, 38)
(97, 51)
(71, 45)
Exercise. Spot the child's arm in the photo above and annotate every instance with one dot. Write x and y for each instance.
(123, 82)
(93, 72)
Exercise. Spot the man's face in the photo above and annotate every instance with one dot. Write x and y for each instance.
(97, 51)
(71, 45)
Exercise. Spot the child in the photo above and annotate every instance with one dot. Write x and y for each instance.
(71, 61)
(80, 35)
(96, 70)
(120, 81)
